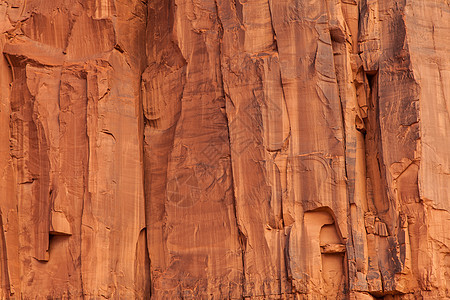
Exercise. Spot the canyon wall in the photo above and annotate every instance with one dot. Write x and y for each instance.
(225, 149)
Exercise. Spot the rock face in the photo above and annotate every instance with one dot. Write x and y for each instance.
(225, 149)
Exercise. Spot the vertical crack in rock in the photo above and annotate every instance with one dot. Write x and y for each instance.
(86, 196)
(343, 23)
(198, 172)
(242, 239)
(165, 64)
(258, 129)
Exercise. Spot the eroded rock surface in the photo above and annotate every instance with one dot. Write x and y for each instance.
(225, 149)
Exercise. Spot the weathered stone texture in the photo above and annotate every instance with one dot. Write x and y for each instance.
(225, 149)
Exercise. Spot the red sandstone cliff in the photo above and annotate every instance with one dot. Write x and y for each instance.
(225, 149)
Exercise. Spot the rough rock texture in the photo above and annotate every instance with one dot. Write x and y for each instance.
(225, 149)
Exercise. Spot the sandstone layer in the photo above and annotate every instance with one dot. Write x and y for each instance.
(225, 149)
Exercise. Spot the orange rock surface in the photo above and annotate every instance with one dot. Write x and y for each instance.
(225, 149)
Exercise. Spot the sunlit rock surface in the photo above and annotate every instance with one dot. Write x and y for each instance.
(225, 149)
